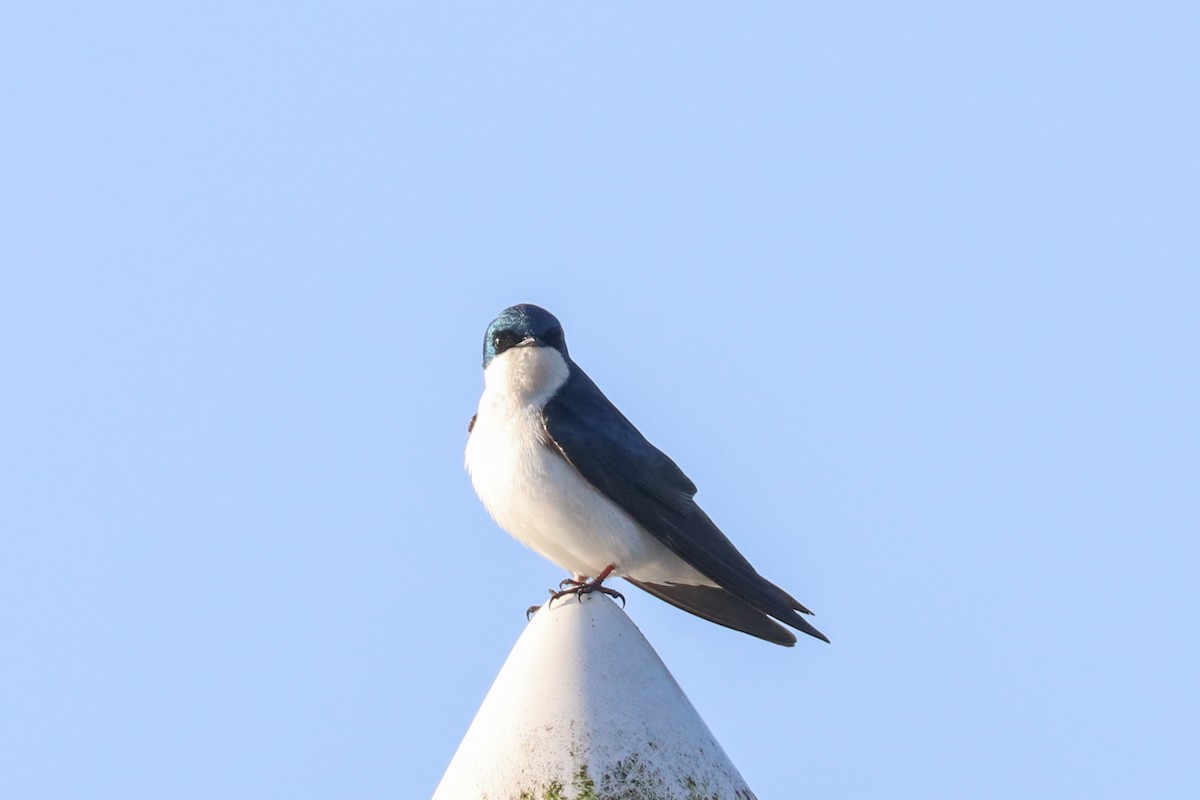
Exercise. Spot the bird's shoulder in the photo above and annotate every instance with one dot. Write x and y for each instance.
(593, 435)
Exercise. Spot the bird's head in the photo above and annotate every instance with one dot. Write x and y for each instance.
(522, 325)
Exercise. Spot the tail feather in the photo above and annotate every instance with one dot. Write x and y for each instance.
(720, 606)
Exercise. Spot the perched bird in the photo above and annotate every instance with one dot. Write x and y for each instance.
(565, 473)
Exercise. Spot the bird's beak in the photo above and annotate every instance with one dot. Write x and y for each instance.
(527, 341)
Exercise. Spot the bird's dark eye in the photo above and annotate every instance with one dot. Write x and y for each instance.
(502, 340)
(553, 338)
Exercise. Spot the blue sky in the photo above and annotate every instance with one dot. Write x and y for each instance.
(909, 290)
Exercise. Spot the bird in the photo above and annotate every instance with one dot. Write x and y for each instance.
(559, 468)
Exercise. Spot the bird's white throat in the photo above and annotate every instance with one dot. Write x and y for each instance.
(526, 376)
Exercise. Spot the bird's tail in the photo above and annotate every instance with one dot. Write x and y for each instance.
(724, 608)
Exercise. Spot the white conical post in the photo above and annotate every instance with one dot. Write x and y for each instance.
(584, 709)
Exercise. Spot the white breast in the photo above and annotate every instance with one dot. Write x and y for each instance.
(535, 495)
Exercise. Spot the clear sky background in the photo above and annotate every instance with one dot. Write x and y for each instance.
(909, 290)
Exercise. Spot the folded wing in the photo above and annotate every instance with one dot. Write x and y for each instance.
(610, 453)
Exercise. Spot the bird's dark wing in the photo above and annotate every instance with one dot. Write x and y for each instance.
(614, 457)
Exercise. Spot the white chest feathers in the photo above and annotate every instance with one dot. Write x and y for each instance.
(534, 494)
(521, 481)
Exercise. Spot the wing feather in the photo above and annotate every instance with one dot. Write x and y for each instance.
(612, 455)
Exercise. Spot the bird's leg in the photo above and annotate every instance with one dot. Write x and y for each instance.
(578, 586)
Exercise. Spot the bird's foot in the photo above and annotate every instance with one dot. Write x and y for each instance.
(579, 587)
(565, 586)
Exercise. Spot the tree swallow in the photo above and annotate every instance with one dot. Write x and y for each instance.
(566, 474)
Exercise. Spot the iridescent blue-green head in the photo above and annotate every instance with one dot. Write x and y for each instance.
(522, 325)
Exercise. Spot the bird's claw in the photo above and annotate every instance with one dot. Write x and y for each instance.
(582, 588)
(613, 593)
(579, 587)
